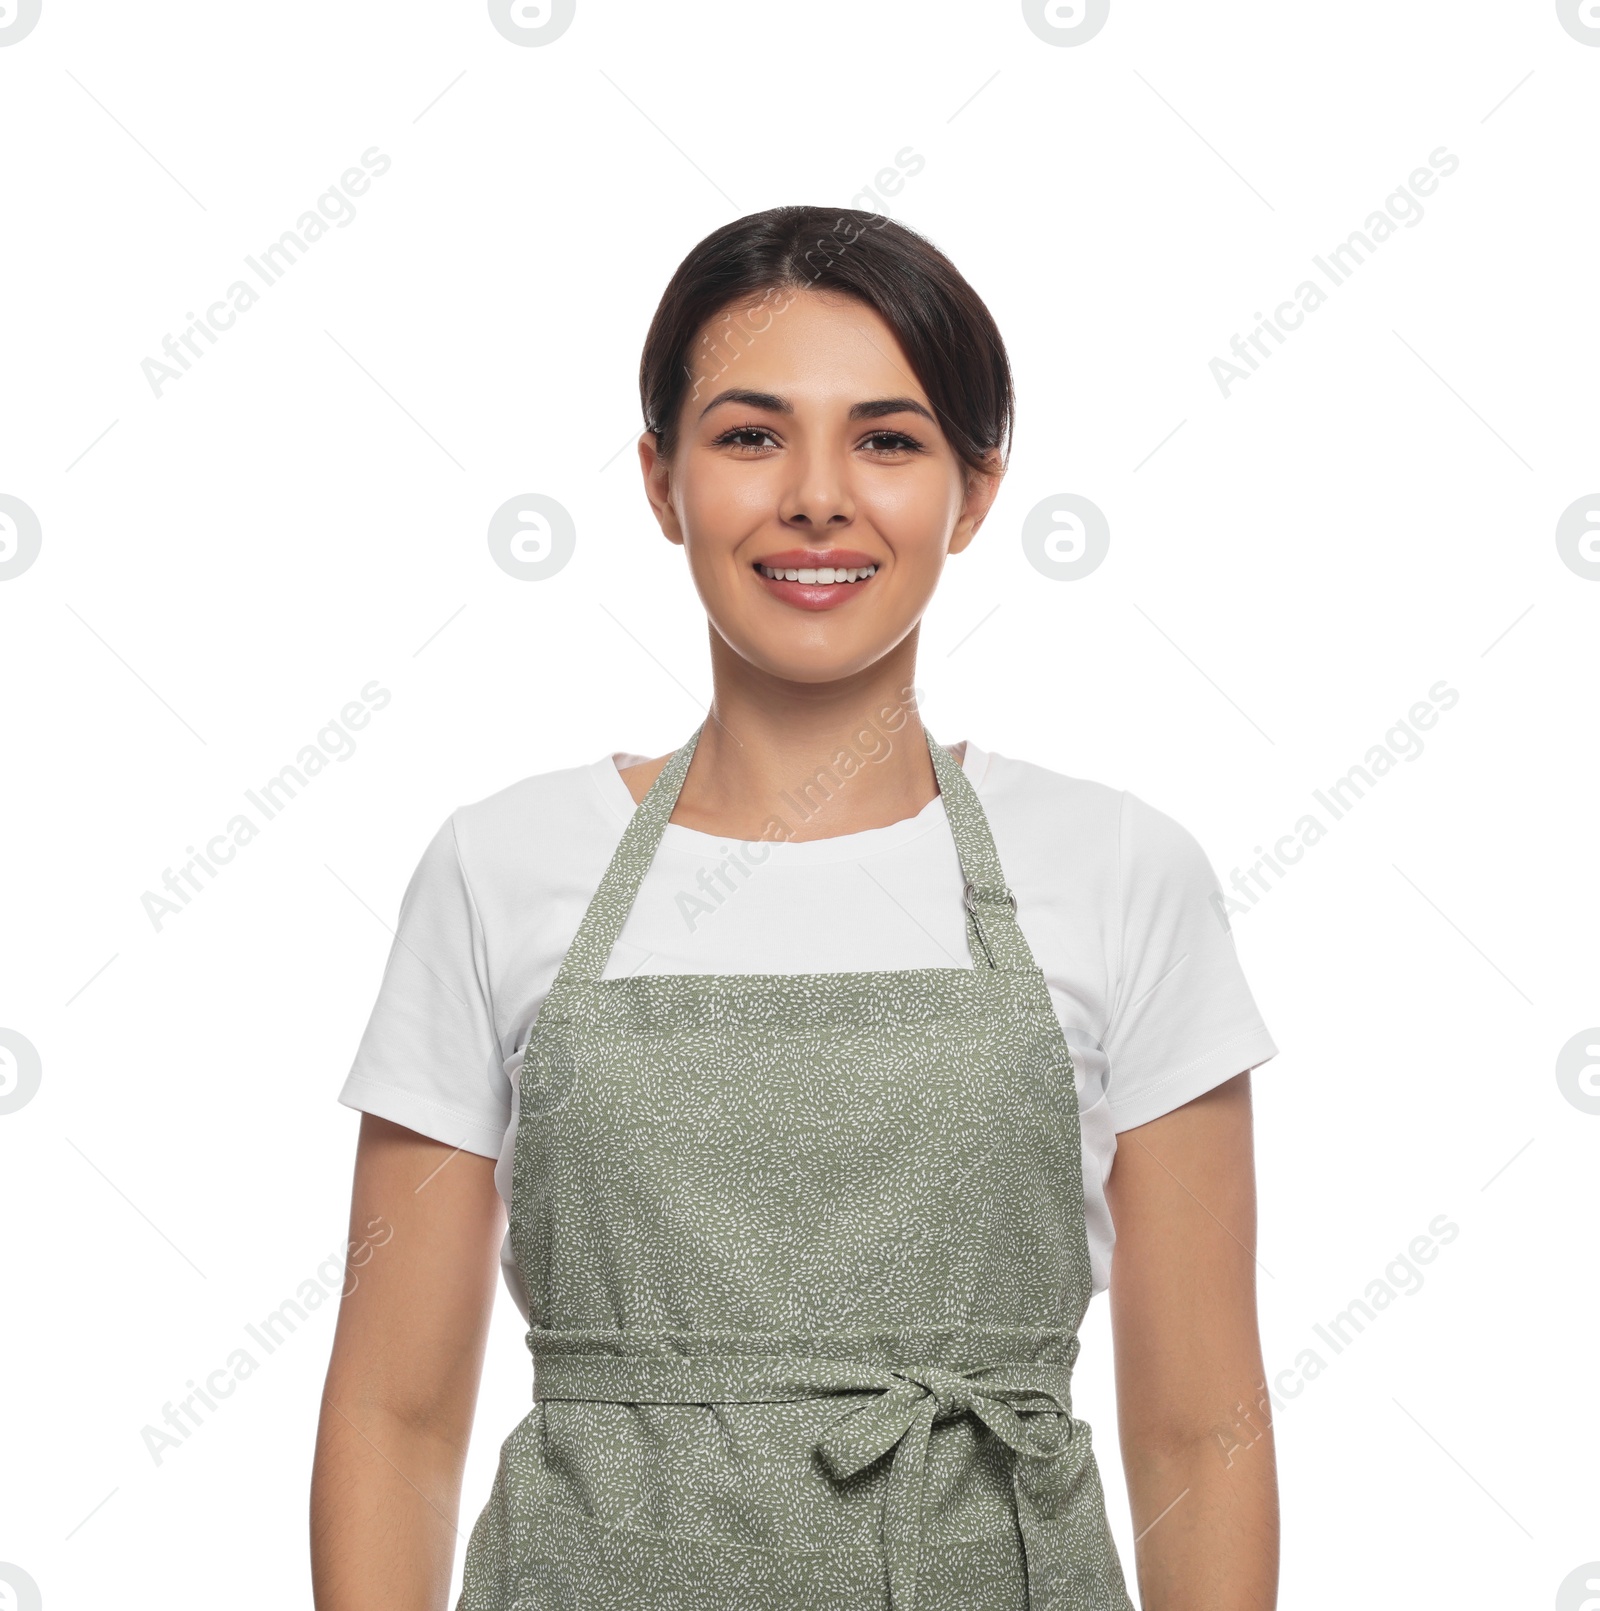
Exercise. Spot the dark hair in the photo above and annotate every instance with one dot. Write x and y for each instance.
(940, 321)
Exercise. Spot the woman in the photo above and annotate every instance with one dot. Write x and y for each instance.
(798, 1057)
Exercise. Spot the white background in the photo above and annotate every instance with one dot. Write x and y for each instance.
(225, 566)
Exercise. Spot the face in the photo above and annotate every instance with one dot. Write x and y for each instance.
(812, 489)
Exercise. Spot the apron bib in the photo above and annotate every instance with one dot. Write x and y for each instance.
(806, 1262)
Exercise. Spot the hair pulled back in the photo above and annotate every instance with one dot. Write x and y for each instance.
(735, 281)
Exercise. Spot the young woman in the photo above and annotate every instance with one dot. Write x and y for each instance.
(798, 1058)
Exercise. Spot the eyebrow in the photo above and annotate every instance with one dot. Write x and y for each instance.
(770, 401)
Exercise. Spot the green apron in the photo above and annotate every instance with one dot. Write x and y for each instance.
(806, 1262)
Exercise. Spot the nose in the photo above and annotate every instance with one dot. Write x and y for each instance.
(819, 497)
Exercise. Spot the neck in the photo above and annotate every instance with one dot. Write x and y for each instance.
(796, 761)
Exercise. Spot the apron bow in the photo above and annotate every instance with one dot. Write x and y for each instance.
(901, 1418)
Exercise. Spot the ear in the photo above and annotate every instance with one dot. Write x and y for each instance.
(982, 488)
(657, 486)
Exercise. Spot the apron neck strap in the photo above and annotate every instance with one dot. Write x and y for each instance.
(993, 935)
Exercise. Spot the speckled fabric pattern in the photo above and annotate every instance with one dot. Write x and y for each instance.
(807, 1263)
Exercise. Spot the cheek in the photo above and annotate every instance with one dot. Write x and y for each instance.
(915, 515)
(726, 506)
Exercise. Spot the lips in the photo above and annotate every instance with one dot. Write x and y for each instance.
(815, 578)
(789, 559)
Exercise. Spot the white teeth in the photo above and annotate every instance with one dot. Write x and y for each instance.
(820, 573)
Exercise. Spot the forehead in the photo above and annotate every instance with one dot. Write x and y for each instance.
(803, 345)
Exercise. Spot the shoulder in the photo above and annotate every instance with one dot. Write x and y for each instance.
(1026, 794)
(1086, 822)
(557, 817)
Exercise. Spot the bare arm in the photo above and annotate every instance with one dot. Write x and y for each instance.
(425, 1229)
(1196, 1441)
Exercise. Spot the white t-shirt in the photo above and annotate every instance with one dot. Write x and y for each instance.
(1114, 897)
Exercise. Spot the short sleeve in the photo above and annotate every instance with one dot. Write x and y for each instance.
(430, 1056)
(1182, 1019)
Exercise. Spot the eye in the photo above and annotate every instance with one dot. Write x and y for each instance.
(728, 438)
(878, 442)
(898, 442)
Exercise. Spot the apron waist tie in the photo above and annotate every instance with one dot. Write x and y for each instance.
(1026, 1404)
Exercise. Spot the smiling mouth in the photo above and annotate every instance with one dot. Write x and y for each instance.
(816, 575)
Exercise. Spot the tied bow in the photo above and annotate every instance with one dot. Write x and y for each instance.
(901, 1418)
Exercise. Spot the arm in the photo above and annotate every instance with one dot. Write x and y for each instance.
(1192, 1415)
(402, 1384)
